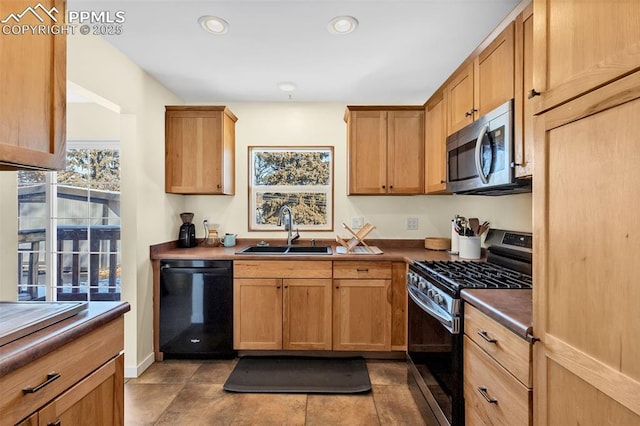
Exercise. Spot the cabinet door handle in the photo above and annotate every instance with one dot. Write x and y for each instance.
(443, 181)
(56, 423)
(485, 395)
(533, 93)
(486, 337)
(470, 113)
(50, 378)
(362, 270)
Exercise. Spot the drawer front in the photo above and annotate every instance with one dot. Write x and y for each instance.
(511, 401)
(510, 350)
(72, 362)
(281, 269)
(356, 269)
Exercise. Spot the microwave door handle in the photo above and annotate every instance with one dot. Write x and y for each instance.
(483, 132)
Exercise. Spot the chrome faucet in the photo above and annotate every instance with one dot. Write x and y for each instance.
(285, 216)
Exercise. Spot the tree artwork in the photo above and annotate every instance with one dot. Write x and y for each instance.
(299, 178)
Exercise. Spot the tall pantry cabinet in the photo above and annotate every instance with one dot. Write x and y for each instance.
(587, 157)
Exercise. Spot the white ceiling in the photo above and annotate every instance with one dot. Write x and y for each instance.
(402, 51)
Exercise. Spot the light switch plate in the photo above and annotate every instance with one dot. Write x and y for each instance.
(357, 222)
(412, 224)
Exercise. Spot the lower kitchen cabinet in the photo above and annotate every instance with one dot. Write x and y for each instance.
(80, 382)
(497, 373)
(282, 305)
(93, 398)
(362, 306)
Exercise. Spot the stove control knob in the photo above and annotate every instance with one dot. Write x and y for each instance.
(439, 299)
(422, 285)
(431, 293)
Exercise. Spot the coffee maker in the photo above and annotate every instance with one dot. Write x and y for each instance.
(187, 234)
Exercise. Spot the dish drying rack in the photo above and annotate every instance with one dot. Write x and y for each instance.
(352, 245)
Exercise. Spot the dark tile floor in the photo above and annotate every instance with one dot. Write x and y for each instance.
(190, 393)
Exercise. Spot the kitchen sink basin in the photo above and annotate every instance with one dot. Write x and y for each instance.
(287, 250)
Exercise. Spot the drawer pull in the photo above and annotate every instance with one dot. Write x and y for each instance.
(362, 270)
(486, 337)
(485, 395)
(56, 423)
(50, 378)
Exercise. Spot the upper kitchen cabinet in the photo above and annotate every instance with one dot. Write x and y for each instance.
(33, 92)
(200, 150)
(565, 30)
(523, 126)
(435, 118)
(482, 83)
(386, 150)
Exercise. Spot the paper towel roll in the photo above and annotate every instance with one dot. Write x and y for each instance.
(454, 238)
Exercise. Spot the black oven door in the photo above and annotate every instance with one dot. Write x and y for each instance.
(435, 361)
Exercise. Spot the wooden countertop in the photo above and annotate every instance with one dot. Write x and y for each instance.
(513, 308)
(394, 250)
(18, 353)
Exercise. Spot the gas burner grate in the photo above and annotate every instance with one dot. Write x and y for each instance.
(465, 274)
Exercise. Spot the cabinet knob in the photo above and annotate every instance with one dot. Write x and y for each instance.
(384, 186)
(533, 93)
(443, 181)
(470, 113)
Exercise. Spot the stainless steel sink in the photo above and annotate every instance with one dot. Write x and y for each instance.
(287, 250)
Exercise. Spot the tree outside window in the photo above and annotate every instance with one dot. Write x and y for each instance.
(301, 178)
(69, 228)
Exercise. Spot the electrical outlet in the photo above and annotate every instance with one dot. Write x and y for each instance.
(412, 224)
(357, 222)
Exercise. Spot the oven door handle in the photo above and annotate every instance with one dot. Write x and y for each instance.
(483, 132)
(449, 324)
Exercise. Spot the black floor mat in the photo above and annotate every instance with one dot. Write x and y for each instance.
(271, 374)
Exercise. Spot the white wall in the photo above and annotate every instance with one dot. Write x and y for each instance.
(295, 124)
(149, 216)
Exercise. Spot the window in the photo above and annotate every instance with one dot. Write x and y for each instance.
(69, 228)
(301, 178)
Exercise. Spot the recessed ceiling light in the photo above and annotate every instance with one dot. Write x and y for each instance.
(287, 86)
(213, 24)
(342, 25)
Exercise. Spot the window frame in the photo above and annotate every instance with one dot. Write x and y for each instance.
(253, 189)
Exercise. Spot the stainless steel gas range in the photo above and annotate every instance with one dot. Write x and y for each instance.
(435, 315)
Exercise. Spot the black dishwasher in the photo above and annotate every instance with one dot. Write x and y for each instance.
(196, 309)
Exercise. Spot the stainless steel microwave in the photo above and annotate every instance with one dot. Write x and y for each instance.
(480, 156)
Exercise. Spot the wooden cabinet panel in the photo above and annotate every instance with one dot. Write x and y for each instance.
(508, 401)
(282, 269)
(72, 362)
(99, 397)
(257, 313)
(460, 102)
(405, 160)
(199, 150)
(386, 150)
(362, 315)
(482, 83)
(399, 306)
(282, 304)
(367, 146)
(508, 349)
(435, 117)
(353, 269)
(585, 292)
(33, 94)
(307, 314)
(523, 125)
(496, 72)
(580, 45)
